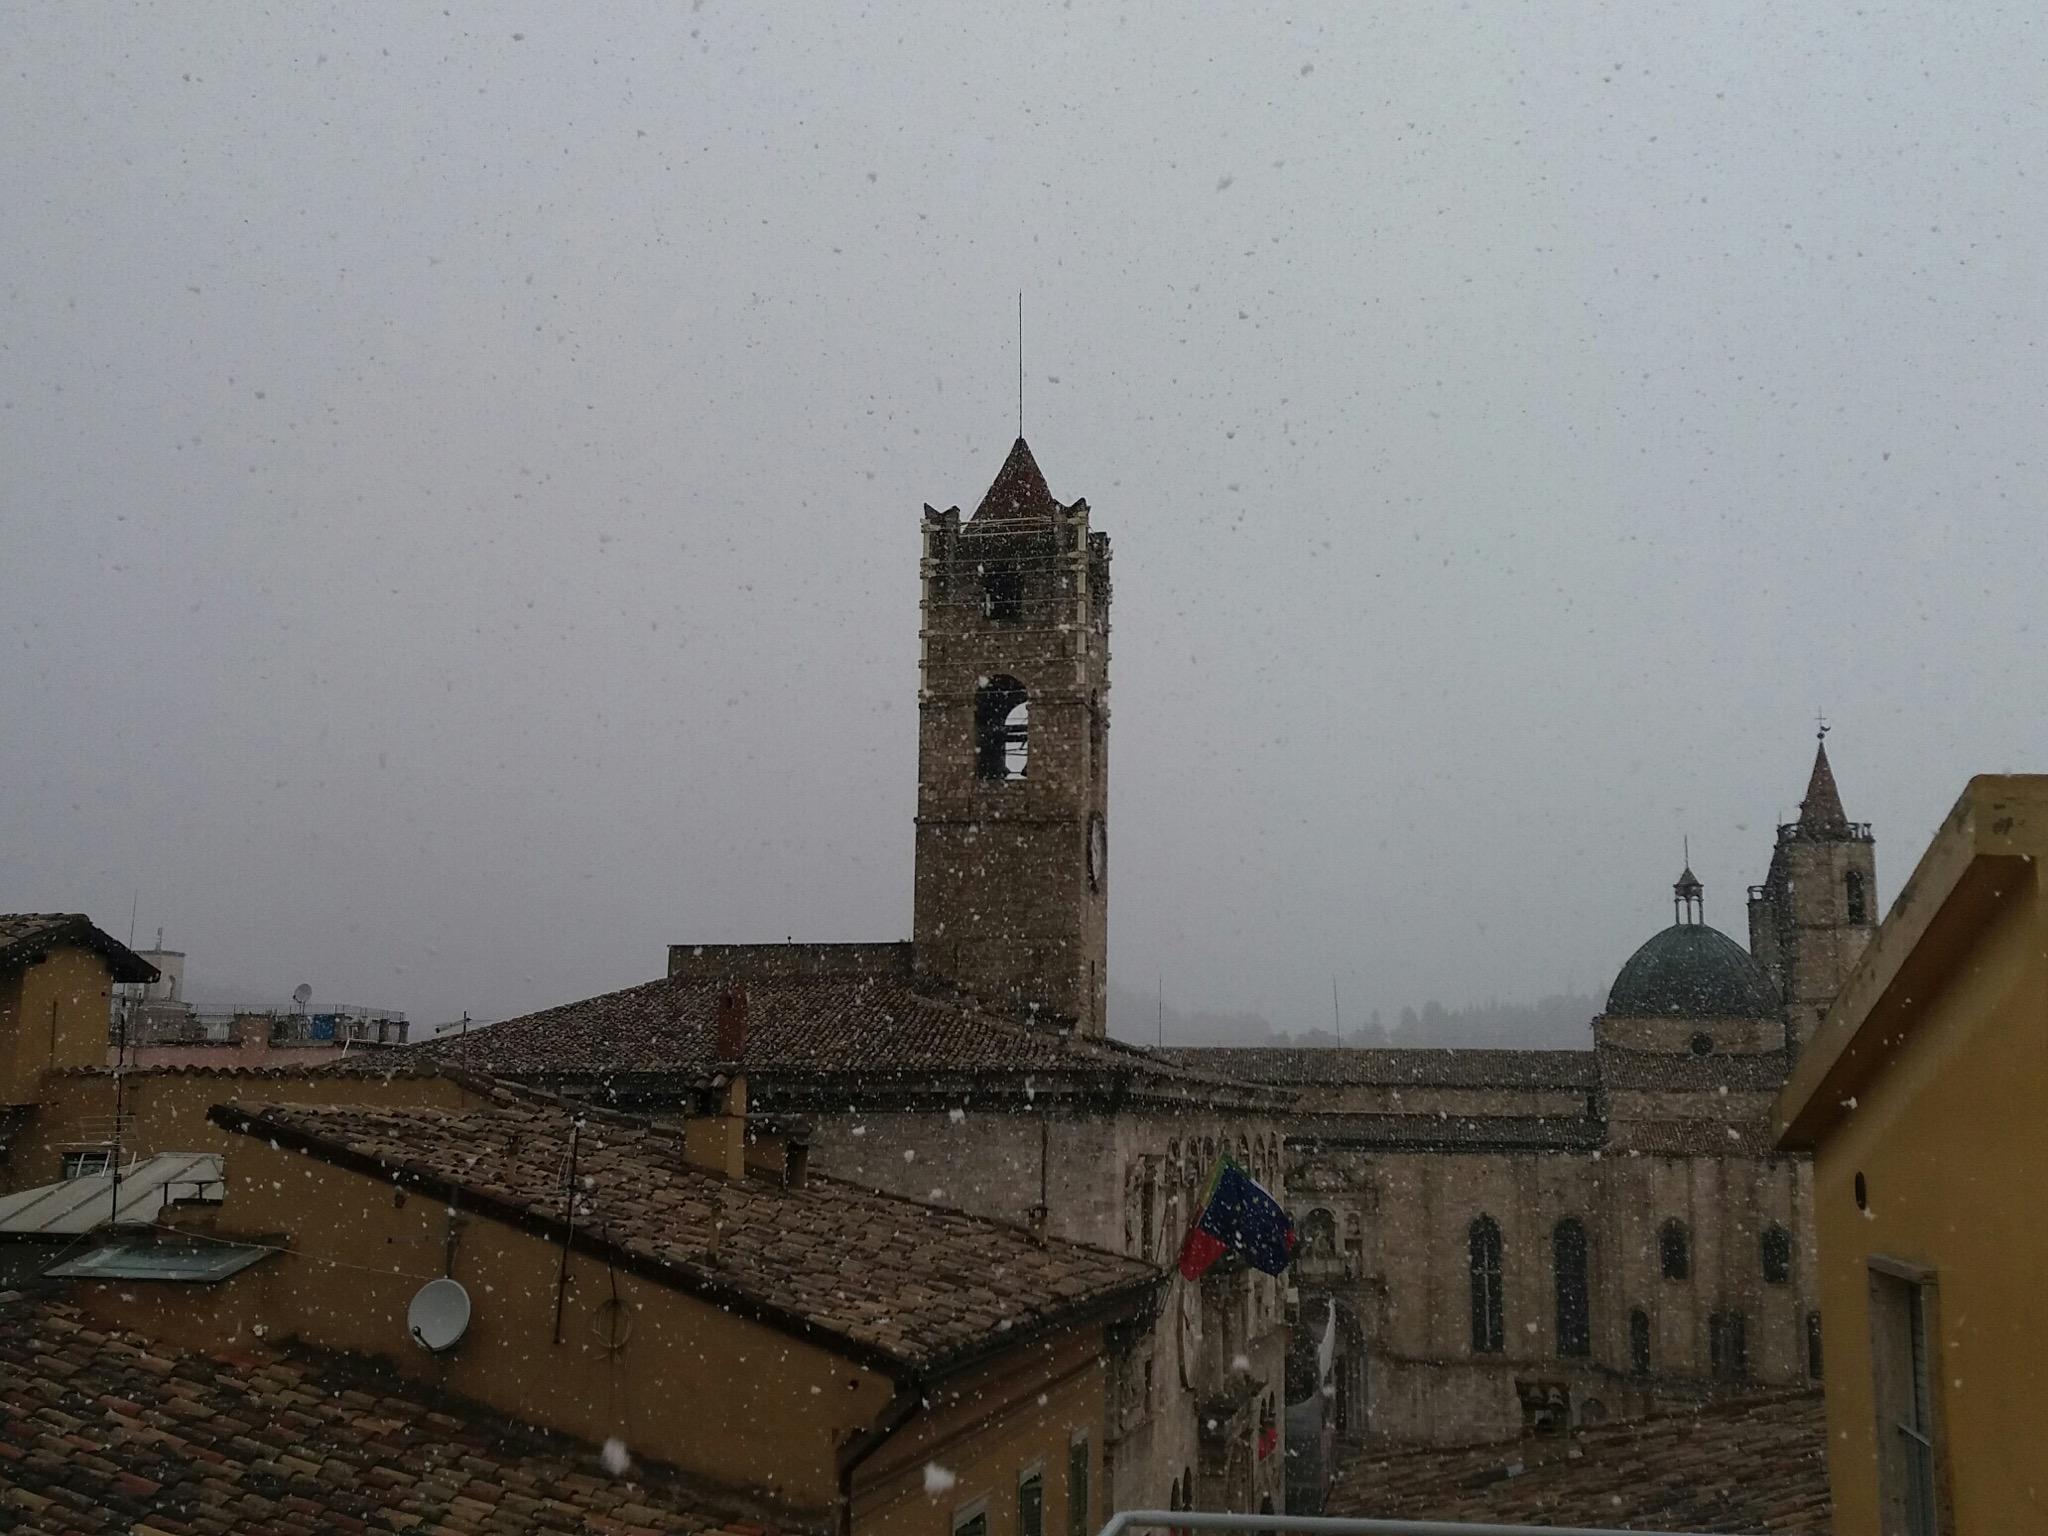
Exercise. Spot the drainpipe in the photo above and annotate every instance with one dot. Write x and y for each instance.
(894, 1416)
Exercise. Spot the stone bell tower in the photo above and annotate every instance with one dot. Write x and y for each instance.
(1012, 884)
(1813, 916)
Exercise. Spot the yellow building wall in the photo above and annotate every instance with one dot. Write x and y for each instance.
(1951, 1136)
(735, 1402)
(693, 1385)
(985, 1435)
(52, 1015)
(165, 1111)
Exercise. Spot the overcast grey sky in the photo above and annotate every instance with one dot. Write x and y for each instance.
(462, 470)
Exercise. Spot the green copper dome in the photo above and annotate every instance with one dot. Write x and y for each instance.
(1691, 971)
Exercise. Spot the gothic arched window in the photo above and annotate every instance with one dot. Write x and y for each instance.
(1852, 888)
(1777, 1253)
(1674, 1250)
(1639, 1342)
(1489, 1328)
(1002, 729)
(1574, 1301)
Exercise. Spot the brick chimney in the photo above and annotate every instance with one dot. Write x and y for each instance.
(717, 1142)
(732, 1027)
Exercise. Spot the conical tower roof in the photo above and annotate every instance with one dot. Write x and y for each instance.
(1019, 490)
(1821, 813)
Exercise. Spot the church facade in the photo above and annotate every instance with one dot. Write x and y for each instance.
(1517, 1240)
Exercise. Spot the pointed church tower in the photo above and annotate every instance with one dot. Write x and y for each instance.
(1817, 908)
(1012, 882)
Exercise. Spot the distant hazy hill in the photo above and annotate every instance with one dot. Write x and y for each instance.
(1135, 1016)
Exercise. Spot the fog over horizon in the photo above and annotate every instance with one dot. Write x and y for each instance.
(465, 470)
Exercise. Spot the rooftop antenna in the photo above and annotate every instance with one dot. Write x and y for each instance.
(1336, 1014)
(133, 902)
(1020, 364)
(1162, 1008)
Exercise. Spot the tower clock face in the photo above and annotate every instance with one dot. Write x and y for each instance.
(1098, 852)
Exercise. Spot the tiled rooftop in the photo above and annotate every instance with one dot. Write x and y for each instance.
(106, 1432)
(25, 935)
(1431, 1066)
(1654, 1072)
(910, 1285)
(1752, 1465)
(865, 1034)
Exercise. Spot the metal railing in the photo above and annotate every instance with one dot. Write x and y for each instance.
(1128, 1520)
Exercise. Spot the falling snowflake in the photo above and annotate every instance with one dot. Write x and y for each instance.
(615, 1458)
(937, 1479)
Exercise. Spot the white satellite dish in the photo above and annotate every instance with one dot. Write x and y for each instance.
(438, 1316)
(302, 994)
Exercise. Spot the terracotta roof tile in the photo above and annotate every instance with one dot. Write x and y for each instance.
(1432, 1066)
(868, 1033)
(1755, 1464)
(25, 935)
(104, 1432)
(1658, 1072)
(932, 1287)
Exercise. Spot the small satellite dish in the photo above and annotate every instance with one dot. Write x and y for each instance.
(438, 1316)
(302, 994)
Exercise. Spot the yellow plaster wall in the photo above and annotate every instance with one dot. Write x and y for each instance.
(1951, 1138)
(52, 1014)
(165, 1111)
(986, 1433)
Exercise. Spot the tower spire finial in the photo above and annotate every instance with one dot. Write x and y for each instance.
(1820, 813)
(1820, 725)
(1688, 896)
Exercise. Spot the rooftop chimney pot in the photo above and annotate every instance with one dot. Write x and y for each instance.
(732, 1024)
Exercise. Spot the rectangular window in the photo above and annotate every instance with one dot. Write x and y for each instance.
(1031, 1503)
(972, 1520)
(87, 1165)
(1079, 1522)
(1903, 1371)
(1728, 1345)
